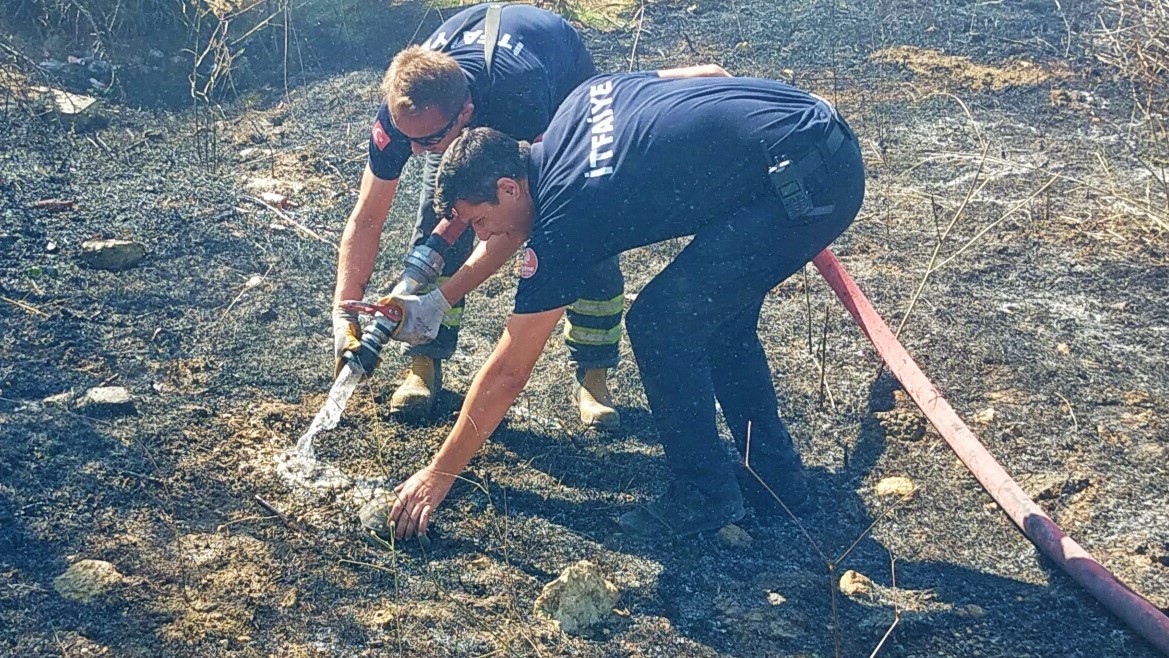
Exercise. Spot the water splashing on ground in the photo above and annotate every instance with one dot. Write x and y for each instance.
(298, 466)
(334, 406)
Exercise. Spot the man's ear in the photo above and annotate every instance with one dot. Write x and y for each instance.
(466, 113)
(508, 187)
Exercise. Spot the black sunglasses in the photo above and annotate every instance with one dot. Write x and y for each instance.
(435, 137)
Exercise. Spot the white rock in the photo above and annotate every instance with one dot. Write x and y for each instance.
(106, 400)
(853, 583)
(112, 254)
(579, 598)
(732, 536)
(87, 580)
(895, 486)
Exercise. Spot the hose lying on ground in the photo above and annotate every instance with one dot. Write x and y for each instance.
(1142, 616)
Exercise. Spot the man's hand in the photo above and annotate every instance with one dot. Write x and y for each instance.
(417, 499)
(346, 336)
(421, 316)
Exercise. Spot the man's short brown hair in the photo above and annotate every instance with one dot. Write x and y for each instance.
(419, 78)
(472, 165)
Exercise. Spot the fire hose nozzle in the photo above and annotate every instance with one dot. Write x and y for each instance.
(422, 268)
(374, 335)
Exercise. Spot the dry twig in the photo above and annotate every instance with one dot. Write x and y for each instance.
(21, 305)
(295, 224)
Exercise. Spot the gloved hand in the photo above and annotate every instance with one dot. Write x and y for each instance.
(421, 316)
(346, 336)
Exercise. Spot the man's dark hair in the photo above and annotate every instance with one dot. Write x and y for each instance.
(473, 163)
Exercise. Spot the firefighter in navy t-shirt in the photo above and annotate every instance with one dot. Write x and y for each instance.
(762, 175)
(431, 92)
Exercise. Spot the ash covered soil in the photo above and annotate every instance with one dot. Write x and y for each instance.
(1043, 320)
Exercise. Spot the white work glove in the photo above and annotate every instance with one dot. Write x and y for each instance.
(346, 336)
(421, 316)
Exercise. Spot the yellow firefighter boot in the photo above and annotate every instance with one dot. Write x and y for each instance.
(596, 407)
(415, 397)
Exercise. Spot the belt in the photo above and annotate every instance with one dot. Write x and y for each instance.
(815, 157)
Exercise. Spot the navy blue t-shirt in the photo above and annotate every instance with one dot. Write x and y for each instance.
(634, 159)
(539, 59)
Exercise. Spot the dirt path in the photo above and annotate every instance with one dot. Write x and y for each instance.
(1044, 321)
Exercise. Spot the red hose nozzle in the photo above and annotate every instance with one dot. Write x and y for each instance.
(393, 313)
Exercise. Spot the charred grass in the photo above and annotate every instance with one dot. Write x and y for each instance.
(1014, 229)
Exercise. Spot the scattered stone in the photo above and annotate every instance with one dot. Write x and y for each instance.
(83, 113)
(853, 583)
(112, 254)
(775, 598)
(51, 247)
(72, 643)
(895, 486)
(1063, 348)
(970, 611)
(87, 580)
(579, 598)
(732, 536)
(985, 417)
(278, 200)
(60, 398)
(106, 401)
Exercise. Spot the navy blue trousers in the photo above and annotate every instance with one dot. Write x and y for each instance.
(694, 327)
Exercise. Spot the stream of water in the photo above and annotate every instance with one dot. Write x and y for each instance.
(298, 466)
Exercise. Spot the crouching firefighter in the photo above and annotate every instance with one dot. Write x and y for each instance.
(761, 174)
(506, 67)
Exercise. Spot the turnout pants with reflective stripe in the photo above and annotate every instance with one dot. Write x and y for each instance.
(694, 327)
(592, 330)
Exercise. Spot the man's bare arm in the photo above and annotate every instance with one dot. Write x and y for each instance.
(493, 391)
(363, 232)
(488, 257)
(496, 386)
(704, 71)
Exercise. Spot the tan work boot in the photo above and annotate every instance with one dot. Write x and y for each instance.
(596, 407)
(415, 397)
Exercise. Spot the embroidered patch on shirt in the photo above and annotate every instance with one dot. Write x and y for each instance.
(530, 265)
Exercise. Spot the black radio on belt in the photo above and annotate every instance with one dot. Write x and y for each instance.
(788, 185)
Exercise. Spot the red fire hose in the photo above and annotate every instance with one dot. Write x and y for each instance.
(1132, 608)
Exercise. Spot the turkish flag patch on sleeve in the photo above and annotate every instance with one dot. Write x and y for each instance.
(380, 137)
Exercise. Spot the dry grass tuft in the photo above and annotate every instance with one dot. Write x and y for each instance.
(1134, 38)
(967, 73)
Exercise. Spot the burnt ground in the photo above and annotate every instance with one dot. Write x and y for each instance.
(1046, 304)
